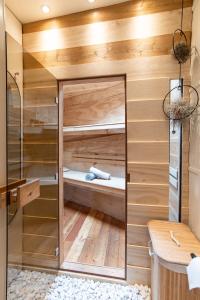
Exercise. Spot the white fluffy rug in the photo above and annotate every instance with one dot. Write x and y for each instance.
(31, 285)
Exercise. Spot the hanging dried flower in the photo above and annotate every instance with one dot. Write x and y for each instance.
(182, 52)
(179, 110)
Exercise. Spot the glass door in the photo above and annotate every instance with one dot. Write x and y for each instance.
(14, 177)
(20, 190)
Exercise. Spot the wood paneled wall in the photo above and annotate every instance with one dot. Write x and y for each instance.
(105, 98)
(40, 155)
(92, 103)
(174, 286)
(134, 38)
(194, 162)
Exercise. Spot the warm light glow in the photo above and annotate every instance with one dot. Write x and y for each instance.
(144, 26)
(97, 33)
(51, 40)
(45, 9)
(91, 1)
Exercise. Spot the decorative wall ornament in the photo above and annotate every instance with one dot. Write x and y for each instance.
(181, 101)
(181, 49)
(184, 105)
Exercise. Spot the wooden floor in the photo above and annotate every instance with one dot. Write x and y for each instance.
(94, 242)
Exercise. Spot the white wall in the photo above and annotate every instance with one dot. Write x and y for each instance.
(194, 163)
(13, 26)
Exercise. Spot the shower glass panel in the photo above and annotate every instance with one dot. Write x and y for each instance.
(14, 214)
(32, 155)
(40, 160)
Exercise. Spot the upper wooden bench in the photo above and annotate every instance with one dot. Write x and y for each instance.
(114, 186)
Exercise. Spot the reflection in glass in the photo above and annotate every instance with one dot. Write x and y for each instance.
(13, 133)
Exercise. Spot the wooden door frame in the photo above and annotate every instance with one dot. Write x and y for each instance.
(61, 83)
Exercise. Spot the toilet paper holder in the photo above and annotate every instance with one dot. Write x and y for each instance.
(193, 255)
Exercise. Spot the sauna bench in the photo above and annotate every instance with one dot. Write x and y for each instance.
(114, 186)
(169, 261)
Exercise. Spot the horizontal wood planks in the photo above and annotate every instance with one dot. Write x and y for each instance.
(112, 205)
(158, 45)
(93, 239)
(148, 168)
(117, 30)
(137, 235)
(142, 193)
(104, 96)
(40, 228)
(138, 256)
(154, 173)
(132, 38)
(119, 11)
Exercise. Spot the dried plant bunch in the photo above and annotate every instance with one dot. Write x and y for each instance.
(179, 110)
(182, 52)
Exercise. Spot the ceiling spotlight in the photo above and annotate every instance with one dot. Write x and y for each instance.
(91, 1)
(45, 9)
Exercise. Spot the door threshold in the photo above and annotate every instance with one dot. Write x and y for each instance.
(110, 272)
(76, 274)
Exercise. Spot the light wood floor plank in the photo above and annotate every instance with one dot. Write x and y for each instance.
(78, 244)
(101, 248)
(93, 241)
(112, 254)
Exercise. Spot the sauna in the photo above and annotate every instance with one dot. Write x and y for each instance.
(93, 208)
(99, 151)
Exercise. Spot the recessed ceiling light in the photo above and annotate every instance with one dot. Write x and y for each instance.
(91, 1)
(45, 9)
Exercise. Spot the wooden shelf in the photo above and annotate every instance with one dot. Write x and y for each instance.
(114, 186)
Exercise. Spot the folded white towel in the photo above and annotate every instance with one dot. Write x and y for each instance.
(100, 174)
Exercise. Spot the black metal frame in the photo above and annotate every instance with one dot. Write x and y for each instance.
(181, 87)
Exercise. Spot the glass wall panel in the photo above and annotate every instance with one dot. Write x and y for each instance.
(14, 169)
(40, 160)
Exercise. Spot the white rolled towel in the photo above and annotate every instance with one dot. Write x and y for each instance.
(99, 173)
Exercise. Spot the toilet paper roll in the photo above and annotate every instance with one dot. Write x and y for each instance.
(99, 173)
(193, 271)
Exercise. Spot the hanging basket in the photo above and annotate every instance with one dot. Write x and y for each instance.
(184, 105)
(181, 49)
